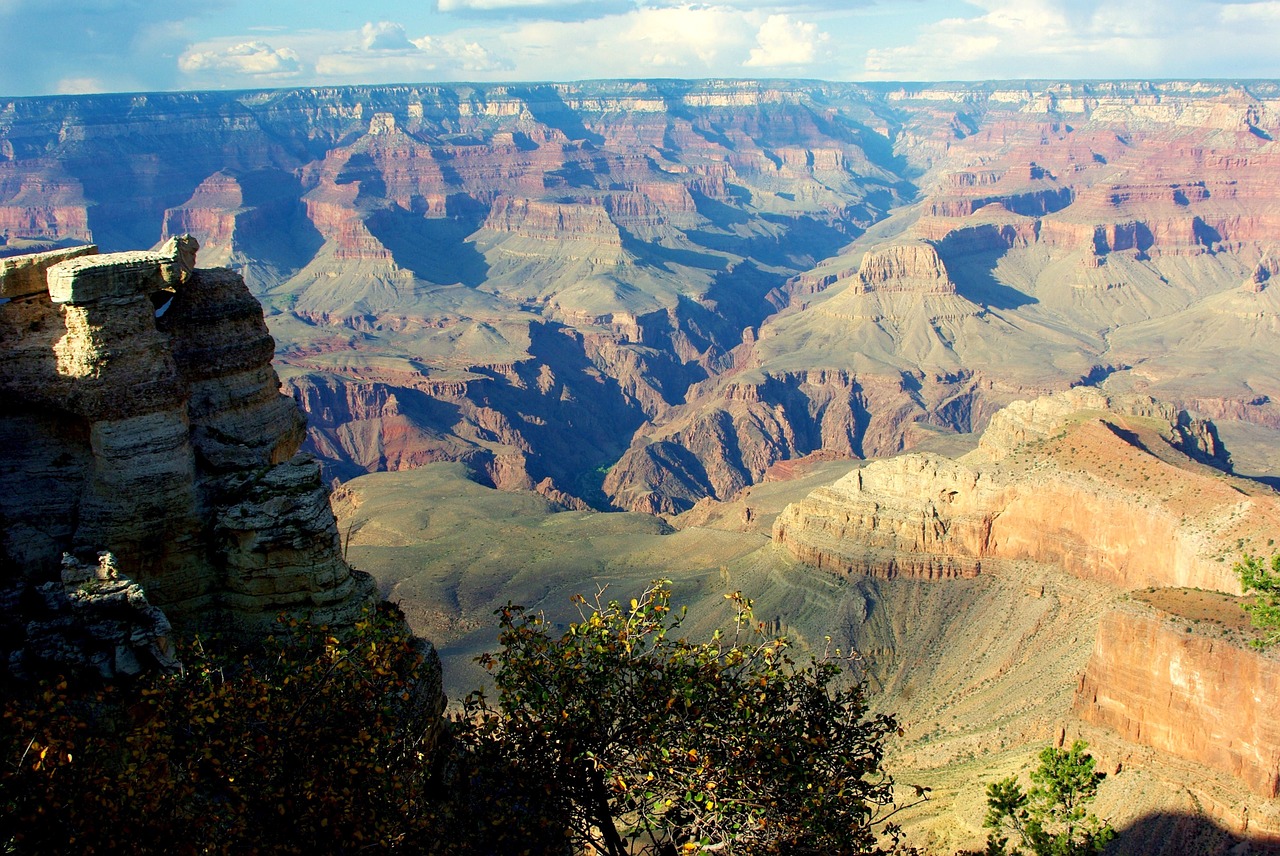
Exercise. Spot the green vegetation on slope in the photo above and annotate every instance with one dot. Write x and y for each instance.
(651, 744)
(615, 738)
(1050, 819)
(1262, 577)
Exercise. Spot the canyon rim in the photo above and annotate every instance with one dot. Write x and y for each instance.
(670, 321)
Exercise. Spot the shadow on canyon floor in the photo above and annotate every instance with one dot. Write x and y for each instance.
(1175, 834)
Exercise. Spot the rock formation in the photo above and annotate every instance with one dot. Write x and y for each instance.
(1155, 681)
(687, 257)
(1118, 490)
(142, 416)
(94, 621)
(1112, 488)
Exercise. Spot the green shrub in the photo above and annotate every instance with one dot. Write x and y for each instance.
(649, 743)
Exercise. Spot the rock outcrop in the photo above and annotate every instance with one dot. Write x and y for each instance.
(952, 247)
(915, 515)
(1155, 681)
(1110, 488)
(143, 416)
(1118, 490)
(94, 621)
(1024, 422)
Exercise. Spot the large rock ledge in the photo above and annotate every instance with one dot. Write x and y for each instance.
(1208, 700)
(140, 414)
(1121, 490)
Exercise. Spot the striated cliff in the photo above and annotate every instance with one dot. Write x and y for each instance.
(1127, 494)
(693, 253)
(1110, 488)
(1154, 680)
(143, 417)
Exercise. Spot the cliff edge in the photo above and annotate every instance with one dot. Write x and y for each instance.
(1120, 489)
(141, 415)
(1126, 493)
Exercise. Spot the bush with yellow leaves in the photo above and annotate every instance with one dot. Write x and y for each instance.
(649, 743)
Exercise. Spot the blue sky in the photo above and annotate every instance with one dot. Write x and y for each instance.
(64, 46)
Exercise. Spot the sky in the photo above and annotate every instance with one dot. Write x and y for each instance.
(76, 46)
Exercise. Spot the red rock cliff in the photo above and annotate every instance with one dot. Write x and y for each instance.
(1205, 699)
(1092, 484)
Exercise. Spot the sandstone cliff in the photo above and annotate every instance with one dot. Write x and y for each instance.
(1110, 488)
(143, 417)
(1121, 491)
(1156, 681)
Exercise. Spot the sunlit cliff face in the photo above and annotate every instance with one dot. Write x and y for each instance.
(680, 284)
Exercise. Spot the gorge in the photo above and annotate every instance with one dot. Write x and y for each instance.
(977, 379)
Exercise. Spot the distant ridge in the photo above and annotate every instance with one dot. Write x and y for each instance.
(640, 294)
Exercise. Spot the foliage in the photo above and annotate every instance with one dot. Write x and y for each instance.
(644, 742)
(320, 743)
(1050, 819)
(615, 736)
(1263, 577)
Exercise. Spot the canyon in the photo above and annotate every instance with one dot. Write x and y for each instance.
(978, 380)
(639, 294)
(1068, 575)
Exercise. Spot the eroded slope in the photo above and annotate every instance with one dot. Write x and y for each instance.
(679, 284)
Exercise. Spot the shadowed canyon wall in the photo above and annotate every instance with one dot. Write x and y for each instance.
(641, 294)
(142, 416)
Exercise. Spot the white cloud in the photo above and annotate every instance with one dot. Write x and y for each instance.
(507, 5)
(246, 58)
(685, 36)
(377, 53)
(131, 45)
(1088, 38)
(676, 41)
(1013, 38)
(784, 41)
(425, 57)
(77, 85)
(461, 54)
(1266, 11)
(385, 36)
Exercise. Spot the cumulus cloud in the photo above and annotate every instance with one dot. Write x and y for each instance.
(783, 41)
(381, 52)
(1088, 38)
(126, 45)
(385, 36)
(462, 54)
(258, 59)
(424, 57)
(682, 36)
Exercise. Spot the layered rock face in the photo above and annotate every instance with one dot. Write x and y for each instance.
(1118, 490)
(1110, 488)
(144, 418)
(667, 271)
(92, 621)
(1208, 700)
